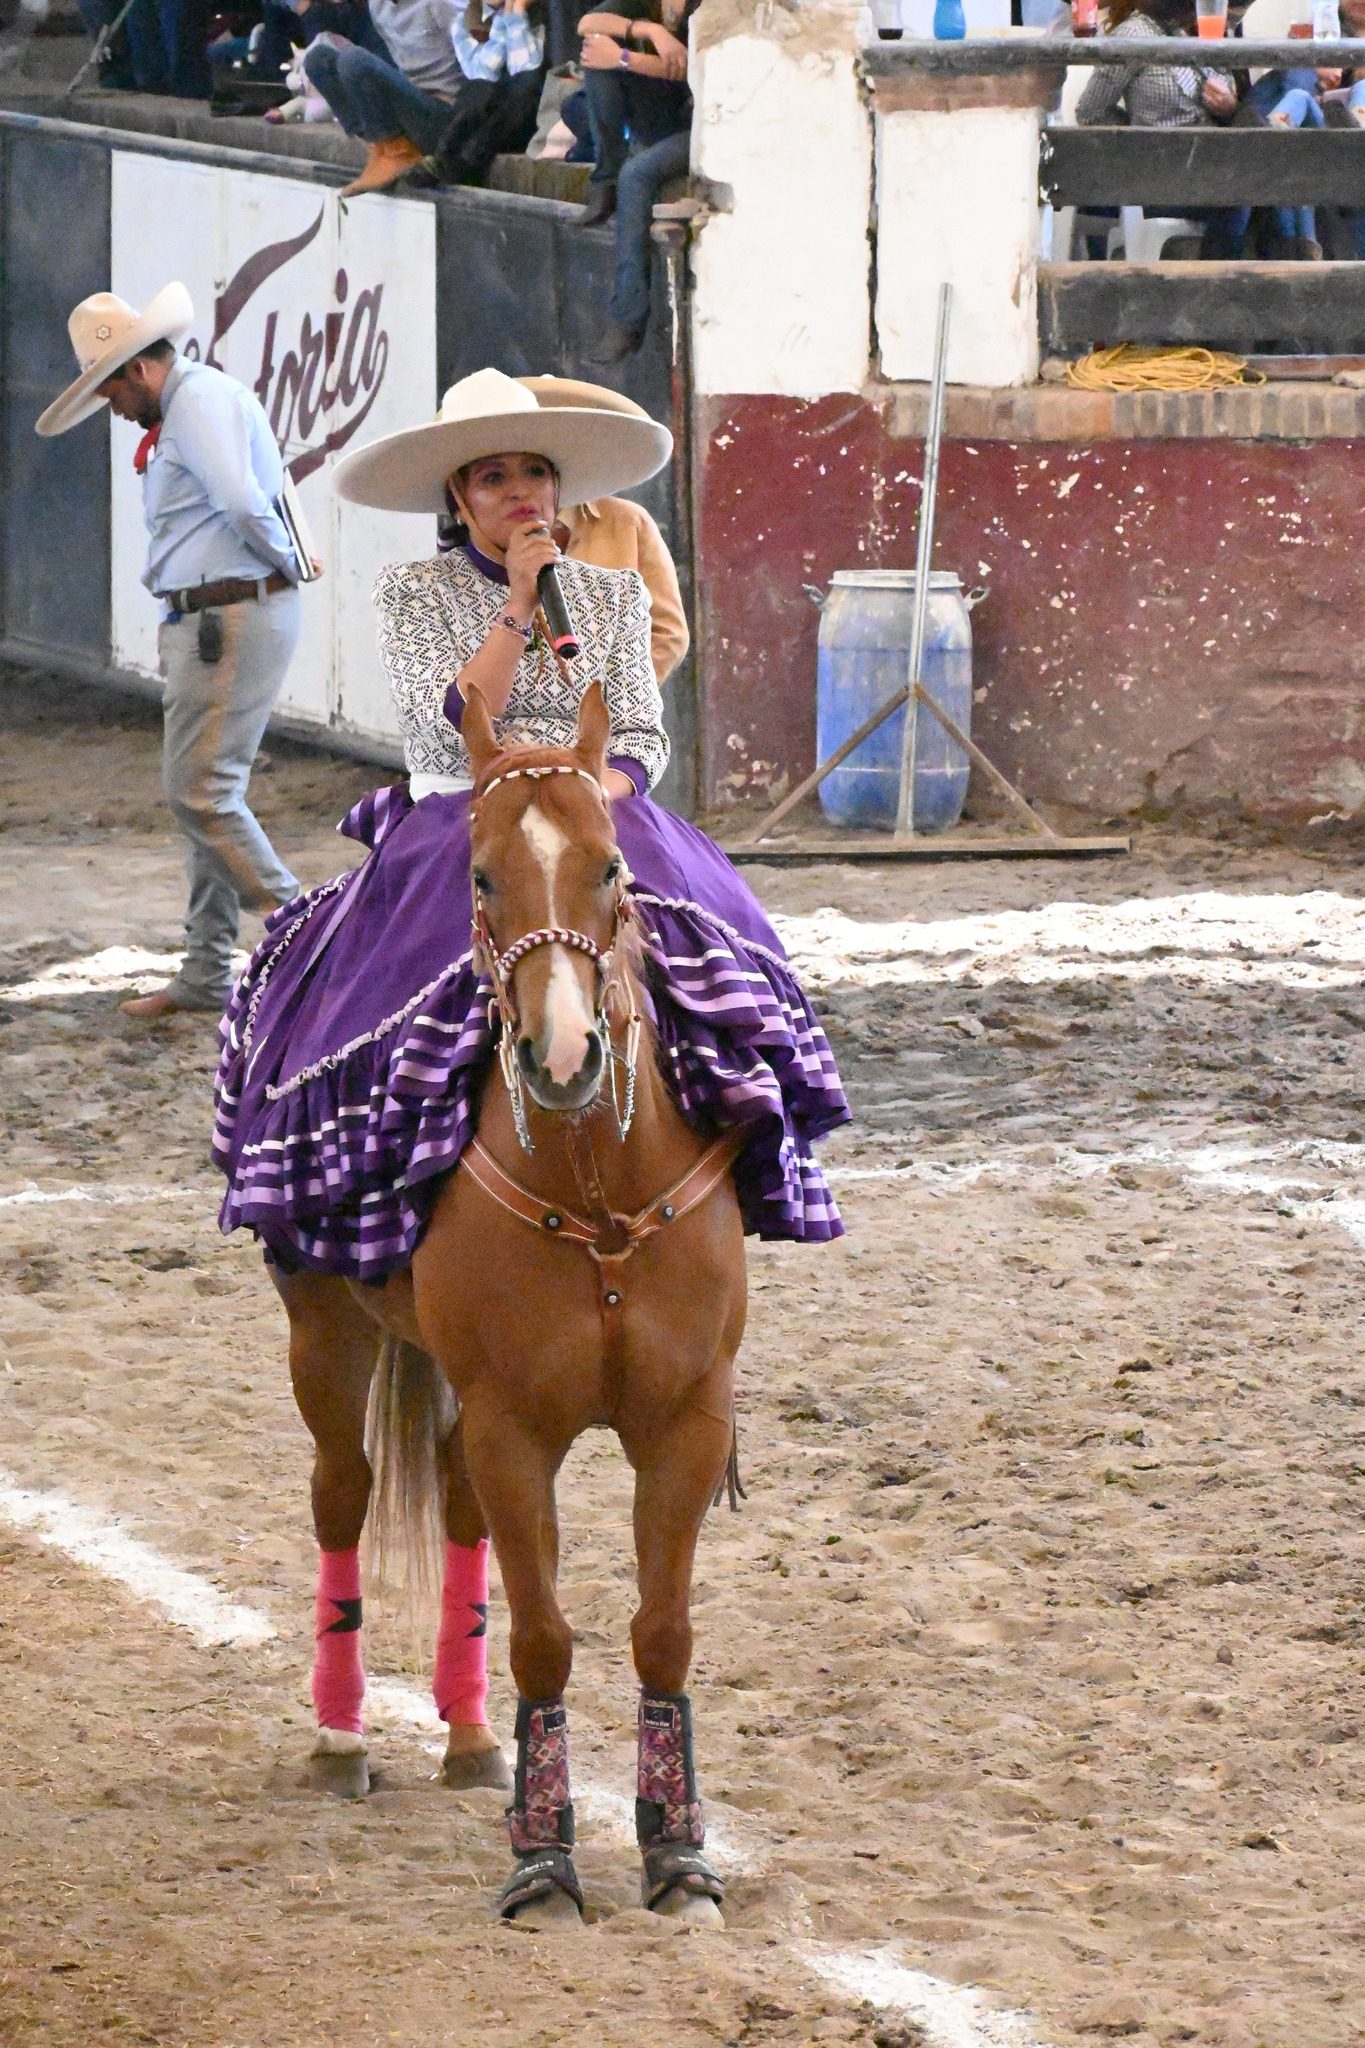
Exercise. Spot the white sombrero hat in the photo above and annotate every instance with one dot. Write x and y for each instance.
(106, 332)
(560, 391)
(595, 451)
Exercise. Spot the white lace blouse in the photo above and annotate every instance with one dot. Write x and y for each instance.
(433, 616)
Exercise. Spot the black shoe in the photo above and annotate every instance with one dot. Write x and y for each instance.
(615, 342)
(426, 176)
(601, 206)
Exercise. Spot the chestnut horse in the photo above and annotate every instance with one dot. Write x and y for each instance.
(583, 1265)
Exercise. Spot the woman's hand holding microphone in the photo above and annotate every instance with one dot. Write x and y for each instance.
(529, 550)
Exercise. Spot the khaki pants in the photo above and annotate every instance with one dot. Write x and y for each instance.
(215, 716)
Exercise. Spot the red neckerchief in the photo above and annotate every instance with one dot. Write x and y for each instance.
(145, 447)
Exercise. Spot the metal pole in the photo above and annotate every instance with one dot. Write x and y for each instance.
(924, 553)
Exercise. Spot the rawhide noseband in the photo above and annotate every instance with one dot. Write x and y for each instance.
(500, 967)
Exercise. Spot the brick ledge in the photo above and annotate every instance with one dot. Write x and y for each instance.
(1050, 412)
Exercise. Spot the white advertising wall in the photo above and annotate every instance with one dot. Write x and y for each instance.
(328, 314)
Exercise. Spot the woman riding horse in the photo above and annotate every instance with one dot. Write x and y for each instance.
(358, 1043)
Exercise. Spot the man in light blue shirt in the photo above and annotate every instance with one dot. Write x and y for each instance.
(221, 562)
(210, 481)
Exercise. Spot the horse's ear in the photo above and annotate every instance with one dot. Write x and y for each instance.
(594, 730)
(476, 730)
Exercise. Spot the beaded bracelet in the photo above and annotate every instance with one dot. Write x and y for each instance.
(514, 626)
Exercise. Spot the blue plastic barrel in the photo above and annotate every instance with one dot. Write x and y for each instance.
(864, 658)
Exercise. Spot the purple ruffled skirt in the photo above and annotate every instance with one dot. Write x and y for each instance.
(357, 1041)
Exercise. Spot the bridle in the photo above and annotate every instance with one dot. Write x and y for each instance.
(611, 1239)
(610, 979)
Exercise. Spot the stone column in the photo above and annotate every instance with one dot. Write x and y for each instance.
(957, 201)
(782, 283)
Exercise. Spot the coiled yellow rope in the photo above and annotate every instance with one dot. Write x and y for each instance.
(1130, 368)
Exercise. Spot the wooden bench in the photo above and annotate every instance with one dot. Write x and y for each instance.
(1239, 305)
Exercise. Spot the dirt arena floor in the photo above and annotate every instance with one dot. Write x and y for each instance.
(1033, 1663)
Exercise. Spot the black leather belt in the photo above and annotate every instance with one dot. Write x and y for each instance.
(231, 590)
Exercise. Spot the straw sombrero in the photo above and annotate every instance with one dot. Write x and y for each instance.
(596, 451)
(106, 332)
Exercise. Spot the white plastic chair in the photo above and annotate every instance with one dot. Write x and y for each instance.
(1140, 238)
(1064, 226)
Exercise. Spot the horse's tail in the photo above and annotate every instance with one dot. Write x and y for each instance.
(412, 1412)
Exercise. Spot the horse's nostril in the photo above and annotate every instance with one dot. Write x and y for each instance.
(592, 1058)
(526, 1058)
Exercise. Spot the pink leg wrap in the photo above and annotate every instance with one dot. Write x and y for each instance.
(338, 1670)
(460, 1681)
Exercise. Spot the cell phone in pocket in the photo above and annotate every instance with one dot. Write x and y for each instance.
(210, 637)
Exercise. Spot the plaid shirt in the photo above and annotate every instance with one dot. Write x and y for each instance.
(1153, 96)
(512, 45)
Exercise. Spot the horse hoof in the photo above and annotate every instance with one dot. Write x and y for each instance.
(689, 1909)
(543, 1890)
(463, 1771)
(345, 1777)
(558, 1910)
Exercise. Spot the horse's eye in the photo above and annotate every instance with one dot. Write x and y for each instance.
(613, 873)
(482, 883)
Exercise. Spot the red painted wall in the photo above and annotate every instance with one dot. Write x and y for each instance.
(1170, 621)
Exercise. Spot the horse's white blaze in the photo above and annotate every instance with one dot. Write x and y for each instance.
(566, 1007)
(569, 1019)
(549, 845)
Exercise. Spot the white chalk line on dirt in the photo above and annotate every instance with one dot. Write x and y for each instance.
(108, 1196)
(959, 2019)
(1291, 1171)
(952, 2015)
(113, 967)
(185, 1598)
(1312, 939)
(93, 974)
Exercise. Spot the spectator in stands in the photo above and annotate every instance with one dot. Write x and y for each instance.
(1165, 96)
(134, 61)
(1155, 96)
(640, 111)
(635, 86)
(289, 25)
(501, 49)
(398, 103)
(167, 43)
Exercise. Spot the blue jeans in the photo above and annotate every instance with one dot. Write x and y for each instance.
(626, 112)
(576, 118)
(637, 188)
(1294, 94)
(372, 99)
(283, 30)
(165, 42)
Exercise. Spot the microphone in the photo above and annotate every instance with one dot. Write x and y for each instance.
(563, 638)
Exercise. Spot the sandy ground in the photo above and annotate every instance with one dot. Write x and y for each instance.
(1033, 1662)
